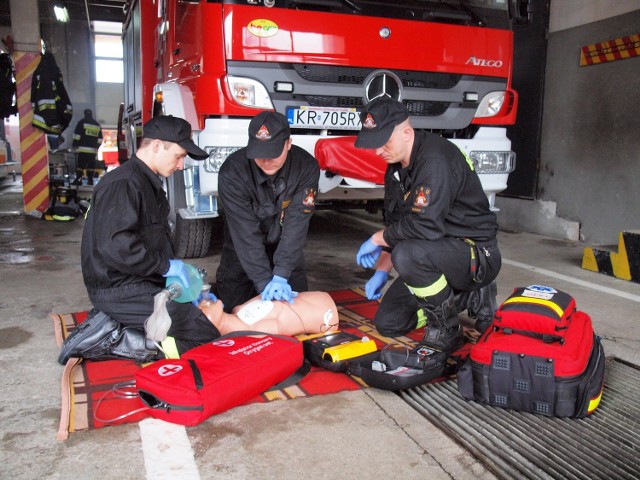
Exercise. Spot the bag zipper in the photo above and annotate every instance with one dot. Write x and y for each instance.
(168, 407)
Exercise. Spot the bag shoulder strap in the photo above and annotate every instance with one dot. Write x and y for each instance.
(251, 333)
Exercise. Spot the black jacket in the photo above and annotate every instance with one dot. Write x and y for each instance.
(260, 211)
(52, 110)
(125, 244)
(439, 194)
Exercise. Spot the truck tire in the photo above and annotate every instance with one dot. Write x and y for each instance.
(190, 238)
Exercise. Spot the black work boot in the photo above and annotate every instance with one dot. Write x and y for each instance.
(132, 343)
(443, 331)
(105, 339)
(94, 331)
(482, 306)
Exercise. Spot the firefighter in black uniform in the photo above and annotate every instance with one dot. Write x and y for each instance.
(267, 193)
(126, 255)
(439, 235)
(87, 138)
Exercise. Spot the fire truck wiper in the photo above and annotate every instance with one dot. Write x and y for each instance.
(475, 15)
(465, 14)
(328, 4)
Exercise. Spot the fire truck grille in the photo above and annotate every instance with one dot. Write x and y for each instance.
(415, 107)
(357, 75)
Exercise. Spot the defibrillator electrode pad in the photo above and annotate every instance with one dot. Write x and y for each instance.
(255, 311)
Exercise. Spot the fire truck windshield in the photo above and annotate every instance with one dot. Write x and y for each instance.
(489, 13)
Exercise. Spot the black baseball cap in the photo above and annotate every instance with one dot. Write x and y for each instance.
(379, 118)
(268, 131)
(176, 130)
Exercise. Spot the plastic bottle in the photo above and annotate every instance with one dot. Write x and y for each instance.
(177, 290)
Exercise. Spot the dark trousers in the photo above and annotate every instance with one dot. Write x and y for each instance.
(189, 326)
(234, 287)
(88, 164)
(420, 263)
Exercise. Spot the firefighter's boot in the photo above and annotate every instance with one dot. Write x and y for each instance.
(132, 343)
(443, 331)
(95, 330)
(102, 338)
(482, 306)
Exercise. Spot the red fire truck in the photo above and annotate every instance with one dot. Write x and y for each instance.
(219, 63)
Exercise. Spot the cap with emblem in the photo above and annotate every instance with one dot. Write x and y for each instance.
(379, 118)
(175, 130)
(268, 132)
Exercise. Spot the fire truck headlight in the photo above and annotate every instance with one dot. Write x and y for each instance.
(249, 92)
(490, 104)
(217, 156)
(493, 162)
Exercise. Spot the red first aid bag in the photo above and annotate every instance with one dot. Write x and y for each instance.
(217, 376)
(536, 309)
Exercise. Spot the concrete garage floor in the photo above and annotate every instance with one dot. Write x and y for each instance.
(352, 435)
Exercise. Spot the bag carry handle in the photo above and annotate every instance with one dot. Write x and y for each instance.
(545, 337)
(197, 376)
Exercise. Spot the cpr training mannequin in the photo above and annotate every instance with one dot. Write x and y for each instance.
(308, 312)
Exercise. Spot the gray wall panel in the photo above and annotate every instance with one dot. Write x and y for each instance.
(590, 152)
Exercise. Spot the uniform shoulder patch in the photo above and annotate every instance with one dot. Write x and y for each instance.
(421, 198)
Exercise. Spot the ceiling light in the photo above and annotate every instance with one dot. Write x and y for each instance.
(62, 14)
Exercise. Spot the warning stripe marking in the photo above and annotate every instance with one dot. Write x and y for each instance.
(623, 264)
(610, 51)
(35, 161)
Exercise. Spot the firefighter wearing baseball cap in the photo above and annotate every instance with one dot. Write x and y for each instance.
(126, 255)
(439, 235)
(267, 192)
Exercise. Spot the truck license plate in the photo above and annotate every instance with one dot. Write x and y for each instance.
(324, 117)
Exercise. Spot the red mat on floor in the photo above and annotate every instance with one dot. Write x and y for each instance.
(98, 394)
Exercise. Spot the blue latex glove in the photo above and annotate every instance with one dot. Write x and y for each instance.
(208, 296)
(177, 268)
(278, 289)
(373, 288)
(368, 254)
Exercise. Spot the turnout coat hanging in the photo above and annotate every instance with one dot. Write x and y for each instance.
(52, 110)
(8, 100)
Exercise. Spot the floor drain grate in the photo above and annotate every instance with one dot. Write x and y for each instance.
(519, 445)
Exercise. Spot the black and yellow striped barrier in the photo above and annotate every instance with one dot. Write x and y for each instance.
(623, 264)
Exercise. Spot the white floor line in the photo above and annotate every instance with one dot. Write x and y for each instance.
(167, 451)
(576, 281)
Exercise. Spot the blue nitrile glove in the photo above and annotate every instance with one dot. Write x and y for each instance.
(177, 268)
(278, 289)
(368, 254)
(208, 296)
(373, 288)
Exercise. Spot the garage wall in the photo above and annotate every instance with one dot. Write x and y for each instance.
(590, 152)
(590, 139)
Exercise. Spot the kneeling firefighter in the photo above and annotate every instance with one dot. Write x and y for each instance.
(439, 235)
